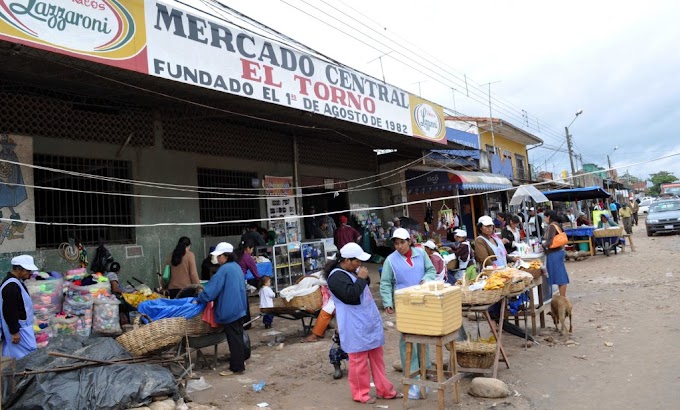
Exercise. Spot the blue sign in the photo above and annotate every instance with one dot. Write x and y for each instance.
(463, 138)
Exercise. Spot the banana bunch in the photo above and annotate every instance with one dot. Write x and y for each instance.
(494, 282)
(535, 265)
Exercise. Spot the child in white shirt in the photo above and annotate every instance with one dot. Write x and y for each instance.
(267, 296)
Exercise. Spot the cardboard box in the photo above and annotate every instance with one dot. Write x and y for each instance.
(430, 309)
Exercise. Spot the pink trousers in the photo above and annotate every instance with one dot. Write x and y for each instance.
(359, 375)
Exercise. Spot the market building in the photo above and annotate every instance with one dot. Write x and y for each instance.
(157, 120)
(495, 158)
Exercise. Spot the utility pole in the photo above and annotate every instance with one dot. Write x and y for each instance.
(571, 156)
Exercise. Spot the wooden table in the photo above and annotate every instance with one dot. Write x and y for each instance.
(536, 309)
(581, 231)
(497, 333)
(445, 379)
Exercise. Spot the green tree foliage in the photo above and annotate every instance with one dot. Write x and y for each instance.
(661, 177)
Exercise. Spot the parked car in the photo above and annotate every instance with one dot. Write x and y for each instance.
(644, 205)
(663, 216)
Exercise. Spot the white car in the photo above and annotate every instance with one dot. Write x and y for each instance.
(644, 206)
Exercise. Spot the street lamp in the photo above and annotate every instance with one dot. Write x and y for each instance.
(609, 161)
(571, 154)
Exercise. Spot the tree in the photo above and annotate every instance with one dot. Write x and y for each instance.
(661, 177)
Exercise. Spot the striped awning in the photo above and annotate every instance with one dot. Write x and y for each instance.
(423, 180)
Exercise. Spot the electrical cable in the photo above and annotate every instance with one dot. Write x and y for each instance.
(374, 208)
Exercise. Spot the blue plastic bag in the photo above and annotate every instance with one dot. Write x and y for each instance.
(164, 308)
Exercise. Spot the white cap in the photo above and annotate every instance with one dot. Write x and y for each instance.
(396, 219)
(485, 220)
(532, 209)
(353, 250)
(25, 261)
(430, 244)
(401, 233)
(460, 232)
(222, 247)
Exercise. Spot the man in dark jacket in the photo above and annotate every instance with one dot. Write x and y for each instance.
(253, 235)
(17, 309)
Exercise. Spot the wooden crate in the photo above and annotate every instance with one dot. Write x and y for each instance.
(431, 309)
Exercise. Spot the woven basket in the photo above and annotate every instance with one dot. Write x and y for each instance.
(608, 232)
(310, 303)
(475, 355)
(154, 336)
(196, 326)
(452, 265)
(517, 287)
(481, 297)
(536, 273)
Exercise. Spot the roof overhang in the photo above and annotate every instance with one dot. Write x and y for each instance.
(423, 179)
(504, 128)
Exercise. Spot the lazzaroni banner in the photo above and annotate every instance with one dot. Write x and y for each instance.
(111, 32)
(189, 43)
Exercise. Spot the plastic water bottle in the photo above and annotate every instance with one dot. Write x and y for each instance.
(259, 386)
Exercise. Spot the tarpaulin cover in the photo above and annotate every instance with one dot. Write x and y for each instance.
(576, 194)
(164, 308)
(98, 387)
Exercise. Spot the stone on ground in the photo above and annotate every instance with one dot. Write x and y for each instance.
(488, 388)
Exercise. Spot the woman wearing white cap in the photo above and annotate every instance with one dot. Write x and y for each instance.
(463, 253)
(406, 266)
(359, 324)
(17, 309)
(227, 288)
(436, 259)
(488, 243)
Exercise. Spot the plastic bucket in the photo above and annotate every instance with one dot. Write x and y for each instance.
(584, 247)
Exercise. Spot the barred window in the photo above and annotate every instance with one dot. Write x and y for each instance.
(82, 207)
(213, 211)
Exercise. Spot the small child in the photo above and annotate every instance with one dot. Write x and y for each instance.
(267, 296)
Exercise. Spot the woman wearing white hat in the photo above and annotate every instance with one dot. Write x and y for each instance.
(436, 259)
(488, 244)
(227, 289)
(463, 252)
(359, 324)
(17, 309)
(406, 266)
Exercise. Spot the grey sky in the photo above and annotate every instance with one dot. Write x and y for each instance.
(618, 61)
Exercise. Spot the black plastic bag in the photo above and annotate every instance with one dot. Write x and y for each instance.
(102, 260)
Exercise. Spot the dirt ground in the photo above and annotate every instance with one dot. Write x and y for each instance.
(624, 353)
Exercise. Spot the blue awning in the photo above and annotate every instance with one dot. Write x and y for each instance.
(423, 180)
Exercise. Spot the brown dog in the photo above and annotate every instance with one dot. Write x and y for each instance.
(560, 309)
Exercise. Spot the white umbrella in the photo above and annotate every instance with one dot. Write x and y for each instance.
(525, 192)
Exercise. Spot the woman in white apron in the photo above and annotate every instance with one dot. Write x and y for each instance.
(488, 244)
(17, 309)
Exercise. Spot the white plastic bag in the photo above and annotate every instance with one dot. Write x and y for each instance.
(306, 286)
(106, 317)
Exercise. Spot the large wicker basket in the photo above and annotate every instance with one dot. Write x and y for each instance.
(615, 231)
(196, 326)
(311, 302)
(481, 297)
(475, 355)
(156, 336)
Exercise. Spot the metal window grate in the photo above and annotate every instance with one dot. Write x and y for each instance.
(82, 208)
(213, 211)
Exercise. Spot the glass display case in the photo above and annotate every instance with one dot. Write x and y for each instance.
(286, 262)
(286, 231)
(314, 256)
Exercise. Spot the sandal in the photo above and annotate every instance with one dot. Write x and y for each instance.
(396, 396)
(370, 401)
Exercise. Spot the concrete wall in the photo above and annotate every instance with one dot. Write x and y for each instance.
(159, 165)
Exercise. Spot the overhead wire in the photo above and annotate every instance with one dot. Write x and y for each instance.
(480, 93)
(431, 57)
(370, 208)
